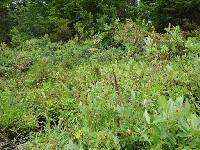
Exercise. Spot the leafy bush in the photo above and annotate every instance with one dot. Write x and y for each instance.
(141, 94)
(176, 12)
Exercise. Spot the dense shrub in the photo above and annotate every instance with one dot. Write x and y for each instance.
(5, 22)
(65, 19)
(141, 94)
(176, 12)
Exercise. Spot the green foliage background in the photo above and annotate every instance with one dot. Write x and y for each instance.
(109, 74)
(62, 20)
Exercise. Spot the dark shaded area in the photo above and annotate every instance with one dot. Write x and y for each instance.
(63, 20)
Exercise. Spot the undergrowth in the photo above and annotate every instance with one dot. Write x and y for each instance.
(139, 91)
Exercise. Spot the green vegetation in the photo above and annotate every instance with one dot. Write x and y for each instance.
(177, 12)
(79, 95)
(62, 20)
(93, 74)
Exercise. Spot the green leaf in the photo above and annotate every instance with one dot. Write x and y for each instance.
(162, 103)
(147, 117)
(179, 101)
